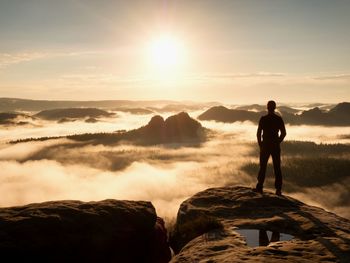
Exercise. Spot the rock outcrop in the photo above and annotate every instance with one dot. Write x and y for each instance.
(74, 231)
(176, 128)
(215, 215)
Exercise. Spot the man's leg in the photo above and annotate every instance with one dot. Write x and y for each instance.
(263, 238)
(264, 157)
(275, 237)
(276, 158)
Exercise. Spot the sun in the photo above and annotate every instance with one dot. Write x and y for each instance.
(166, 52)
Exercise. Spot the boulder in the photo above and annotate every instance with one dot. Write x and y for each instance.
(67, 231)
(215, 217)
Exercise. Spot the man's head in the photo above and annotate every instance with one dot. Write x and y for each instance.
(271, 106)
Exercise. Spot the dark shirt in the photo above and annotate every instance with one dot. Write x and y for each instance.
(270, 125)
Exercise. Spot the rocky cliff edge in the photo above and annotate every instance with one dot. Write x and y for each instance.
(209, 223)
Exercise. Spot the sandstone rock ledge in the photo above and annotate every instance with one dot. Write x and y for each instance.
(319, 236)
(75, 231)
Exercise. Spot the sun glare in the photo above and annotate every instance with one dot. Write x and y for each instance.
(166, 52)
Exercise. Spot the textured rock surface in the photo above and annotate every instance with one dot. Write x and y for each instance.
(319, 236)
(109, 230)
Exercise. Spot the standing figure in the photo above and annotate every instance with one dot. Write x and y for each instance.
(270, 134)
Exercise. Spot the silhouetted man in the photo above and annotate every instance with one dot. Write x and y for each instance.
(269, 127)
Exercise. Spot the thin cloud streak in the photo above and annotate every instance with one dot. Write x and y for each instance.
(245, 75)
(345, 77)
(8, 59)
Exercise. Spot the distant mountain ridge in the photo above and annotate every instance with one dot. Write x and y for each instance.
(257, 108)
(16, 104)
(177, 128)
(337, 116)
(14, 118)
(72, 113)
(223, 114)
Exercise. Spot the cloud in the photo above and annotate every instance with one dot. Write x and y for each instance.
(7, 59)
(49, 180)
(345, 77)
(163, 174)
(23, 151)
(165, 186)
(98, 79)
(235, 76)
(246, 75)
(334, 197)
(40, 128)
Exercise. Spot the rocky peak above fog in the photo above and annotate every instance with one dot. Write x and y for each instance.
(341, 108)
(178, 128)
(180, 125)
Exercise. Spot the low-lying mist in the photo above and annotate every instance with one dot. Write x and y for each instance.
(43, 128)
(165, 175)
(168, 174)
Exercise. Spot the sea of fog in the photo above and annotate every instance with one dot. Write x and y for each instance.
(164, 174)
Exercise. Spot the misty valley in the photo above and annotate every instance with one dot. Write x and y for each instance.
(165, 151)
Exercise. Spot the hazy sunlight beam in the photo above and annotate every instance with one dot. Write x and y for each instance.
(166, 53)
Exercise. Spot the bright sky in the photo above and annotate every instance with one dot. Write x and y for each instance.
(229, 51)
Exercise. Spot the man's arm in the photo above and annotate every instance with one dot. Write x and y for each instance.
(283, 131)
(258, 133)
